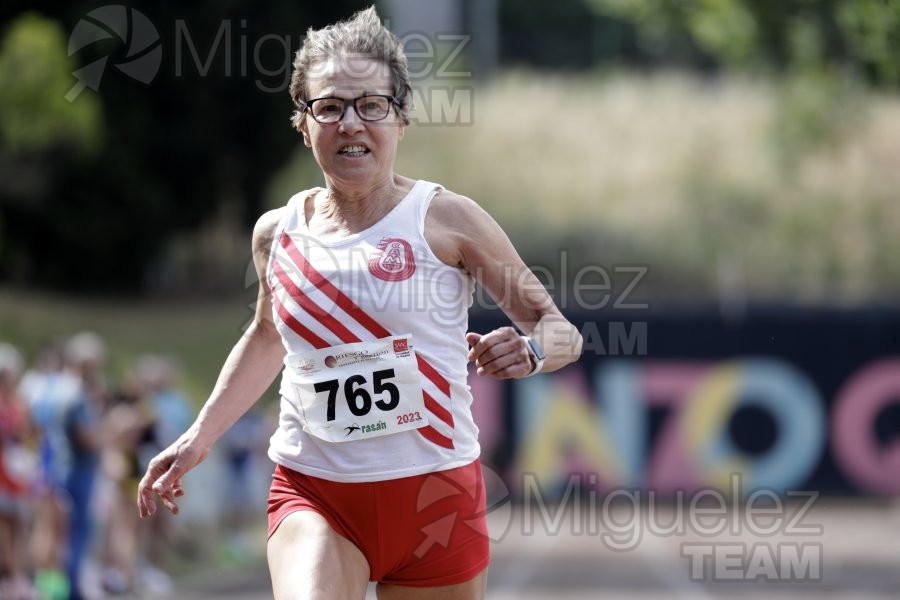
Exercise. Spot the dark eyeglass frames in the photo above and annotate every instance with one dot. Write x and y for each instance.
(331, 110)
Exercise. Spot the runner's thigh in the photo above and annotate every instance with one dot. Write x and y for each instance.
(308, 560)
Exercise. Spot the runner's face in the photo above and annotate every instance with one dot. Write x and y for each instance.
(337, 146)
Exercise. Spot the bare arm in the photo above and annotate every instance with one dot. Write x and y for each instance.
(248, 371)
(461, 233)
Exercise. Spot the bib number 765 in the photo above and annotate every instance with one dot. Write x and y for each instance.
(358, 398)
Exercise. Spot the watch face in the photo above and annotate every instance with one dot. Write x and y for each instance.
(536, 348)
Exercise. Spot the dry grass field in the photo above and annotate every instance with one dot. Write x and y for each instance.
(786, 189)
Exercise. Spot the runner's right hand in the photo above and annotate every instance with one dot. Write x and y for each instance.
(163, 476)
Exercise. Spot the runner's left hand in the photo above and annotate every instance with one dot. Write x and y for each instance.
(501, 353)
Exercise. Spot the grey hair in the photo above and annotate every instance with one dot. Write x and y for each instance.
(362, 35)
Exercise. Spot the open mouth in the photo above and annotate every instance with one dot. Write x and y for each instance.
(353, 151)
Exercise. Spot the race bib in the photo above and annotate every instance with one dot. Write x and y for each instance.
(360, 390)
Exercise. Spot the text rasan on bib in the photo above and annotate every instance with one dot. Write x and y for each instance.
(359, 390)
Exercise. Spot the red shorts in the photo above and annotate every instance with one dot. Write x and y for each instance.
(427, 530)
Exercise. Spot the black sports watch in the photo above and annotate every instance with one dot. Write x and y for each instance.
(537, 354)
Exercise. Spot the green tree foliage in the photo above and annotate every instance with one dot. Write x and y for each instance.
(771, 34)
(819, 51)
(872, 31)
(35, 71)
(659, 23)
(536, 35)
(91, 193)
(726, 29)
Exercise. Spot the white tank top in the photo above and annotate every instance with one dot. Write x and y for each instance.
(333, 301)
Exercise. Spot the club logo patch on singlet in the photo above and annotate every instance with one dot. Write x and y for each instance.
(393, 260)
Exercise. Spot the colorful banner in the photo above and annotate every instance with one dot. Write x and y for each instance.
(787, 400)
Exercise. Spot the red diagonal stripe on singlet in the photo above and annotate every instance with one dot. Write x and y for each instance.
(297, 326)
(430, 433)
(348, 306)
(314, 310)
(439, 411)
(372, 326)
(329, 289)
(439, 381)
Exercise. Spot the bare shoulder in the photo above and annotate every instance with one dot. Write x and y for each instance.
(454, 211)
(455, 226)
(264, 230)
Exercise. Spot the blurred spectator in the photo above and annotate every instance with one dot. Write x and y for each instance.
(85, 356)
(17, 468)
(172, 414)
(244, 441)
(65, 404)
(93, 445)
(127, 425)
(170, 407)
(49, 393)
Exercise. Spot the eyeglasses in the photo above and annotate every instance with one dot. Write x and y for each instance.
(331, 110)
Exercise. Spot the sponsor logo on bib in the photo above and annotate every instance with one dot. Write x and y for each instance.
(365, 428)
(393, 260)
